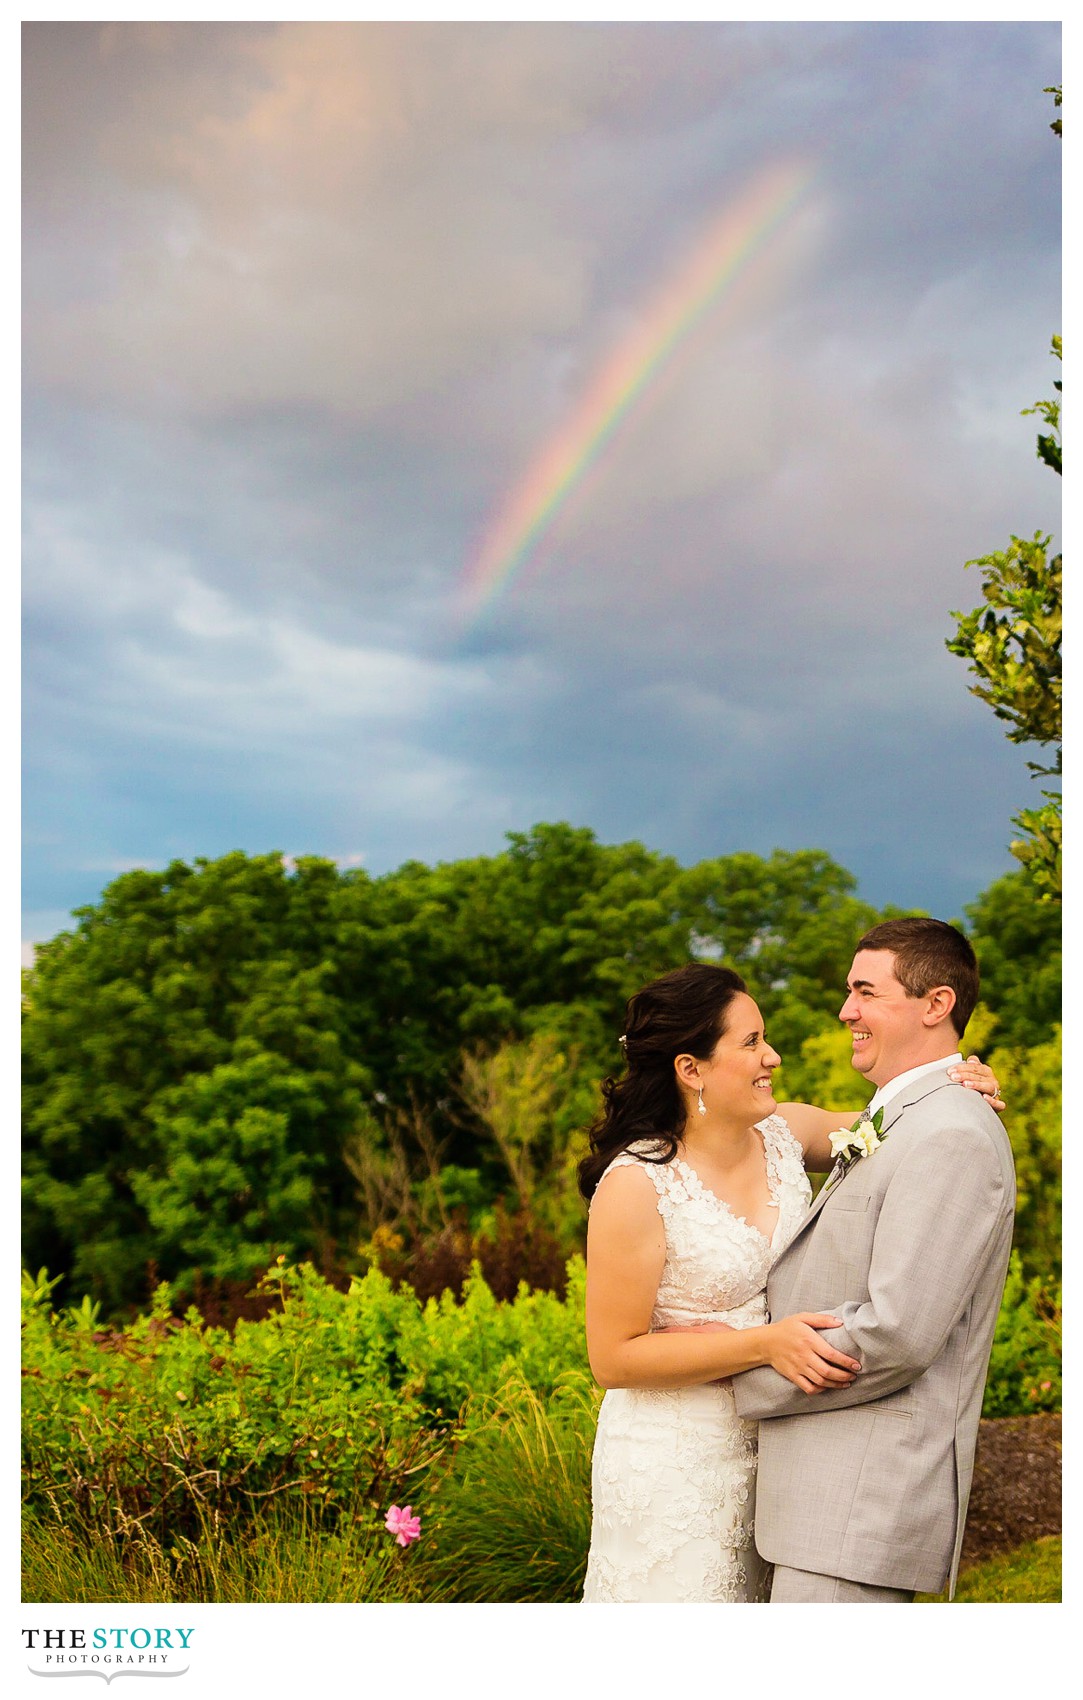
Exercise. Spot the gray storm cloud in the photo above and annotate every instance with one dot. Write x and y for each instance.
(303, 304)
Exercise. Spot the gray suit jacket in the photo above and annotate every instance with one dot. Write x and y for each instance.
(910, 1249)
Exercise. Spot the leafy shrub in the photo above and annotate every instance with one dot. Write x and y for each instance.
(1032, 1089)
(154, 1427)
(1025, 1367)
(511, 1251)
(178, 1450)
(159, 1424)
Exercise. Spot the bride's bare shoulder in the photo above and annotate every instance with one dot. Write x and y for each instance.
(631, 1175)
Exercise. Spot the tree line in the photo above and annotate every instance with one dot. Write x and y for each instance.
(238, 1058)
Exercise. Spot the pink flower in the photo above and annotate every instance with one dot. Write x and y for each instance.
(1046, 1385)
(401, 1522)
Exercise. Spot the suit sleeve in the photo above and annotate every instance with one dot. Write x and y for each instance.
(941, 1215)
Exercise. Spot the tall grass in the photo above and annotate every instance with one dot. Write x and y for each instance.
(282, 1557)
(513, 1514)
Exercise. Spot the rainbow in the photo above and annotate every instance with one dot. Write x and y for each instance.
(518, 526)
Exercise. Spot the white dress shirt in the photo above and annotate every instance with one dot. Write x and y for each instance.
(884, 1094)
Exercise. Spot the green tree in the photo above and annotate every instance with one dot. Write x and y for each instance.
(306, 1028)
(172, 978)
(231, 1187)
(788, 923)
(533, 1098)
(1018, 944)
(1013, 645)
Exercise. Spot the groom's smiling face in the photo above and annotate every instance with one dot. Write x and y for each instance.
(886, 1024)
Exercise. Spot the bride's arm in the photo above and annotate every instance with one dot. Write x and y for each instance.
(625, 1255)
(813, 1127)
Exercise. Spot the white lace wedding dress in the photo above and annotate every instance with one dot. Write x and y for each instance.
(674, 1472)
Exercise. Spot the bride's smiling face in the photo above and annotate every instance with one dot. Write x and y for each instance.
(736, 1077)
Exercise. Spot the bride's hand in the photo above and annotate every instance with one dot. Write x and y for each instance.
(980, 1078)
(798, 1352)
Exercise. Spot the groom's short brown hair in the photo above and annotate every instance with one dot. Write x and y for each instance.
(929, 953)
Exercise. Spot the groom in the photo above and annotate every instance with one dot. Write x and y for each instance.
(862, 1490)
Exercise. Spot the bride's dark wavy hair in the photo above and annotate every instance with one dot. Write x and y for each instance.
(684, 1010)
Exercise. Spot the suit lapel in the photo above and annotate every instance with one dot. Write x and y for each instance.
(923, 1088)
(834, 1179)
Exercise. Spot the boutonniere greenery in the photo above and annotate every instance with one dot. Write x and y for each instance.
(861, 1140)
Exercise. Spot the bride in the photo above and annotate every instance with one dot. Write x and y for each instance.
(696, 1181)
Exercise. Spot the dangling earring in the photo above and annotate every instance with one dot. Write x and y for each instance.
(701, 1106)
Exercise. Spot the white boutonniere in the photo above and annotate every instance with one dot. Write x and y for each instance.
(861, 1140)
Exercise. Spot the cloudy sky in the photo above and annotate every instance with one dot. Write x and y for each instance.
(336, 540)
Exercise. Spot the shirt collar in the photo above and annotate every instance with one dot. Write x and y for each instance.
(884, 1094)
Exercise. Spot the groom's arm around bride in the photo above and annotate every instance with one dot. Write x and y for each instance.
(862, 1490)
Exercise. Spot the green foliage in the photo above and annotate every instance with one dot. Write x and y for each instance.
(173, 1460)
(334, 1396)
(512, 1518)
(1031, 1081)
(788, 923)
(1049, 447)
(1055, 91)
(1040, 848)
(1018, 945)
(1025, 1368)
(235, 1058)
(284, 1554)
(533, 1098)
(1013, 645)
(183, 1002)
(231, 1190)
(165, 1422)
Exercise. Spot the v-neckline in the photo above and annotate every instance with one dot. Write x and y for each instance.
(716, 1198)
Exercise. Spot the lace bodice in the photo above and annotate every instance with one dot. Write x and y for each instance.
(674, 1469)
(716, 1262)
